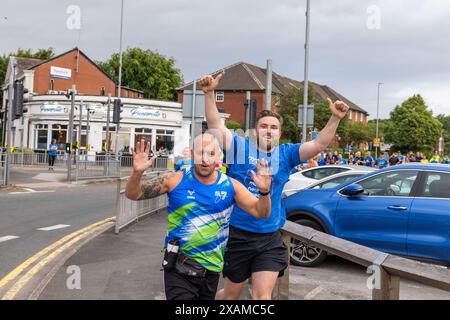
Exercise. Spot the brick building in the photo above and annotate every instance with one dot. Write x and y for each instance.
(159, 122)
(242, 77)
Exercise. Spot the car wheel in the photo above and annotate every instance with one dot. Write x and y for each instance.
(303, 255)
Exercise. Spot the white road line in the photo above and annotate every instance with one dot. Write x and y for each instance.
(313, 293)
(6, 238)
(58, 226)
(32, 192)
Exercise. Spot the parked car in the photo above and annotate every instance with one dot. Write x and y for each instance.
(402, 210)
(307, 177)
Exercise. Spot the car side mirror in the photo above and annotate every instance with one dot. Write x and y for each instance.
(352, 190)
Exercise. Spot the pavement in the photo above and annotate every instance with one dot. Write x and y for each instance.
(128, 266)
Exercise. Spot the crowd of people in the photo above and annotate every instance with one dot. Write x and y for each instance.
(384, 159)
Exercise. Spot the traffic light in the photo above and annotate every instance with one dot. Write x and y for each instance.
(117, 110)
(68, 148)
(19, 100)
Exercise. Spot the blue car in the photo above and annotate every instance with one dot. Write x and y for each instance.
(403, 210)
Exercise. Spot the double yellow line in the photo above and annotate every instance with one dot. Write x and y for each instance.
(44, 257)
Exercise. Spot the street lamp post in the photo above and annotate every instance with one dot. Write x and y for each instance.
(120, 77)
(378, 109)
(305, 86)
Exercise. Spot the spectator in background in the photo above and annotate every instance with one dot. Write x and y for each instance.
(393, 160)
(186, 162)
(358, 160)
(52, 150)
(418, 157)
(322, 161)
(436, 158)
(314, 162)
(350, 159)
(335, 157)
(411, 157)
(447, 159)
(423, 158)
(381, 162)
(341, 159)
(368, 160)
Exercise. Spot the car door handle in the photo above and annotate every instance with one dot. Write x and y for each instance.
(398, 208)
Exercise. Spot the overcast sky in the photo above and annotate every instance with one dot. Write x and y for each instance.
(354, 43)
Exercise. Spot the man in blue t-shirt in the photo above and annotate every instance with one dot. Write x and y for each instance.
(255, 247)
(381, 162)
(368, 160)
(186, 162)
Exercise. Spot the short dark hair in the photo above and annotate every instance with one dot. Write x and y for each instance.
(268, 113)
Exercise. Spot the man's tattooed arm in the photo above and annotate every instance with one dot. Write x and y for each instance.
(151, 188)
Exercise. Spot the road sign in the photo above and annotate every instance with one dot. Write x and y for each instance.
(309, 116)
(376, 142)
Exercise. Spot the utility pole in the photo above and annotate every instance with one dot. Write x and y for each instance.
(305, 86)
(9, 123)
(247, 111)
(107, 123)
(79, 131)
(120, 78)
(268, 85)
(194, 95)
(70, 134)
(378, 108)
(88, 145)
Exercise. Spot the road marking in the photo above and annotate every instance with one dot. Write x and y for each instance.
(19, 269)
(55, 227)
(67, 241)
(313, 293)
(14, 290)
(31, 192)
(7, 238)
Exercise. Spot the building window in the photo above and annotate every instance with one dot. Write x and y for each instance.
(165, 140)
(102, 91)
(42, 130)
(52, 84)
(350, 113)
(220, 96)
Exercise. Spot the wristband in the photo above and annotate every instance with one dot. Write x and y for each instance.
(264, 193)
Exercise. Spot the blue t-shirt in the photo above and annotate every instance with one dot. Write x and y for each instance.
(183, 165)
(368, 161)
(343, 161)
(241, 158)
(381, 163)
(52, 148)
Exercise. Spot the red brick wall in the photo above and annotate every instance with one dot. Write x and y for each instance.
(88, 79)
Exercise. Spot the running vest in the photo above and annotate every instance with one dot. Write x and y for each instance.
(199, 215)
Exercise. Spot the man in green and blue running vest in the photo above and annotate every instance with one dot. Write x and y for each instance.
(200, 204)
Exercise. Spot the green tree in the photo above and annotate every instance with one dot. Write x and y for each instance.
(145, 70)
(289, 111)
(43, 54)
(233, 125)
(413, 127)
(445, 121)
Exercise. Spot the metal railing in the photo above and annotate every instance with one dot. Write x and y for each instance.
(390, 268)
(85, 166)
(36, 159)
(129, 211)
(106, 168)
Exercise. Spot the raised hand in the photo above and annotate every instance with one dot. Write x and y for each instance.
(208, 83)
(140, 157)
(263, 177)
(338, 108)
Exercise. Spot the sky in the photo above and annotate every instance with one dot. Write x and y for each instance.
(354, 44)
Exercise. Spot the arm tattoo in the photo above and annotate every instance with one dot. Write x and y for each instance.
(151, 188)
